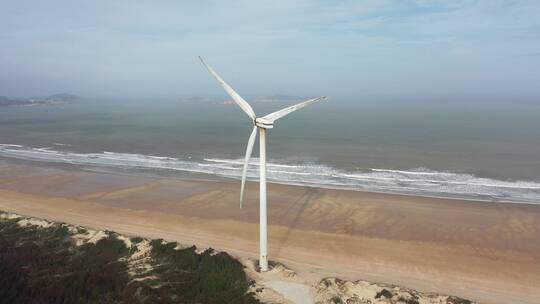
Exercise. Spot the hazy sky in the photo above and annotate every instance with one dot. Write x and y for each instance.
(338, 48)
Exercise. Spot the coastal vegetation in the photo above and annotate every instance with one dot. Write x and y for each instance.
(43, 262)
(336, 291)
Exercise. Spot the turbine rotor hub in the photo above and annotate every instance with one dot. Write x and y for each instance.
(263, 123)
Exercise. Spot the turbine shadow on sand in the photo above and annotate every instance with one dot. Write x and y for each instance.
(302, 202)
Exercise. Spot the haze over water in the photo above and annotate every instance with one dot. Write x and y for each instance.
(473, 149)
(427, 97)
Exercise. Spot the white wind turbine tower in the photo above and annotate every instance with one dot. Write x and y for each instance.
(261, 123)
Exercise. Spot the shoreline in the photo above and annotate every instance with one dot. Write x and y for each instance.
(206, 177)
(428, 244)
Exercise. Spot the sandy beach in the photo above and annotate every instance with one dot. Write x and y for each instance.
(488, 252)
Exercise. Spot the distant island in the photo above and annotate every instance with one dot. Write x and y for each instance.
(60, 98)
(64, 97)
(195, 99)
(279, 98)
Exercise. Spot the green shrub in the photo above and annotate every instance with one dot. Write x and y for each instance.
(336, 300)
(136, 240)
(61, 232)
(384, 293)
(457, 300)
(408, 301)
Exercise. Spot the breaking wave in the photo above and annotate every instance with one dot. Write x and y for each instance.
(415, 181)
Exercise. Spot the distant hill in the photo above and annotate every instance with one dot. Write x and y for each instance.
(278, 97)
(62, 97)
(6, 101)
(283, 97)
(50, 100)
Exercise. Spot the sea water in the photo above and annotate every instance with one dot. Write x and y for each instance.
(472, 150)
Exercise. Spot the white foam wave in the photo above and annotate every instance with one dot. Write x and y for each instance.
(288, 172)
(217, 166)
(253, 162)
(465, 179)
(11, 145)
(406, 172)
(417, 181)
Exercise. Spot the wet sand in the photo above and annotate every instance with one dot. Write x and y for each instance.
(489, 252)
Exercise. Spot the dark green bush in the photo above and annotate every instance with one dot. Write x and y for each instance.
(408, 301)
(384, 293)
(336, 300)
(61, 232)
(457, 300)
(136, 240)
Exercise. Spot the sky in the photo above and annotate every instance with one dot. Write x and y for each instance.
(394, 49)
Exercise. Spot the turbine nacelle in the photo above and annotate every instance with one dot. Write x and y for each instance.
(261, 122)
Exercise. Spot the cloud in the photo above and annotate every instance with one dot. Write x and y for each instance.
(297, 47)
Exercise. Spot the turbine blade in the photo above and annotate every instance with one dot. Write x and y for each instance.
(249, 148)
(278, 114)
(237, 98)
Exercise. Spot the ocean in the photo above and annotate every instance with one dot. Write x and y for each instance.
(468, 150)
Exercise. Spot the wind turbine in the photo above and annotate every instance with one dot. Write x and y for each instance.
(261, 123)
